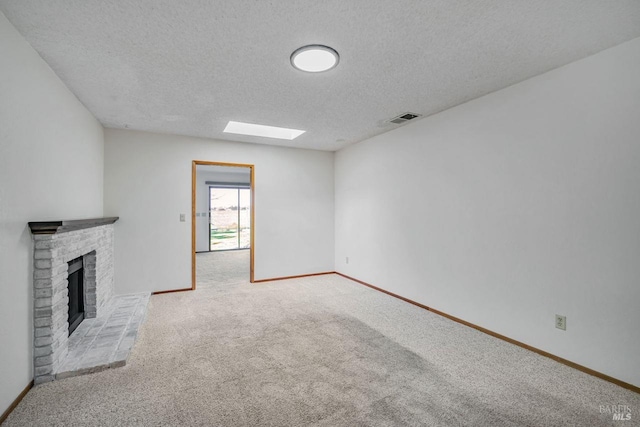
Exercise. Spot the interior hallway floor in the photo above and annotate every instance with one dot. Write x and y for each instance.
(222, 269)
(319, 351)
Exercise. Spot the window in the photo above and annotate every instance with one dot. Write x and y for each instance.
(229, 218)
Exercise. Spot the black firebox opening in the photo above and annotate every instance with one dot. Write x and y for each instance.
(76, 293)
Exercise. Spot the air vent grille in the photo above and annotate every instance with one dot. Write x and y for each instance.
(404, 117)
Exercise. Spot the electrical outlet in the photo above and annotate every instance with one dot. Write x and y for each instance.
(561, 322)
(182, 217)
(346, 260)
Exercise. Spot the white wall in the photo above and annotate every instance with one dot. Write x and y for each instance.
(209, 173)
(293, 207)
(511, 208)
(50, 146)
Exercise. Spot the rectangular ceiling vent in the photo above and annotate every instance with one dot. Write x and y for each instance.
(403, 118)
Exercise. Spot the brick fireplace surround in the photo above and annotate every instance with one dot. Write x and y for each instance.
(55, 244)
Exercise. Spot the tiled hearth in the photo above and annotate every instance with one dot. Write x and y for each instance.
(106, 341)
(106, 335)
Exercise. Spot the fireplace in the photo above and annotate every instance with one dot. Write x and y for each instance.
(75, 287)
(72, 281)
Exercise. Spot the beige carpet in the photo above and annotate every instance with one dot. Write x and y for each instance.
(319, 351)
(222, 270)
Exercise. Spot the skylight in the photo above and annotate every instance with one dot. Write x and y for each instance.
(251, 129)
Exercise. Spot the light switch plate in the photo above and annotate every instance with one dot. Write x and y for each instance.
(561, 322)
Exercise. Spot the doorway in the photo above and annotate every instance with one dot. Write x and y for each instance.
(222, 226)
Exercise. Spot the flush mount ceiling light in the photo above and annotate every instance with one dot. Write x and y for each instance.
(315, 58)
(251, 129)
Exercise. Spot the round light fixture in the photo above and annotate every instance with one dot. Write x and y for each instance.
(315, 58)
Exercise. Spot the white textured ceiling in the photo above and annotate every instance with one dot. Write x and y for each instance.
(189, 66)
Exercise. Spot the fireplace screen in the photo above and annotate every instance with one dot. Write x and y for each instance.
(76, 293)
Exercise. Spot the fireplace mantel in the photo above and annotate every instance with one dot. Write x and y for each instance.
(56, 227)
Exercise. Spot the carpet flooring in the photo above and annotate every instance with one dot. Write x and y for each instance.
(222, 270)
(320, 351)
